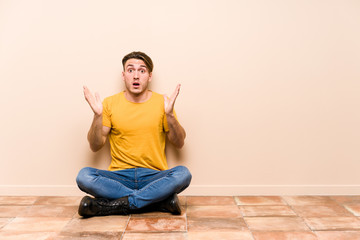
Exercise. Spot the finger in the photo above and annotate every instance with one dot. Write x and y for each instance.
(177, 89)
(97, 96)
(88, 96)
(176, 92)
(86, 91)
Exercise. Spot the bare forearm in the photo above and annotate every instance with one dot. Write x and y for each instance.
(176, 134)
(95, 135)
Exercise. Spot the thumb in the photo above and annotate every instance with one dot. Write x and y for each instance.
(97, 96)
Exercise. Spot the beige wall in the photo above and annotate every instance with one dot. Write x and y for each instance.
(270, 90)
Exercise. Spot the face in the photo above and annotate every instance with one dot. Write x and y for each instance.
(136, 76)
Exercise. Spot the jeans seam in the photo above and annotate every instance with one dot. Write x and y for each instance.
(151, 179)
(135, 179)
(110, 176)
(151, 183)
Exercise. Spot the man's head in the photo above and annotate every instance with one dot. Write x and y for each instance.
(141, 56)
(137, 73)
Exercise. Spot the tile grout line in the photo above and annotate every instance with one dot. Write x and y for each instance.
(242, 215)
(10, 221)
(319, 230)
(345, 207)
(301, 214)
(291, 207)
(186, 218)
(126, 225)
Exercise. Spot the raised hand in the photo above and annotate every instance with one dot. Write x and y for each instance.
(170, 102)
(94, 101)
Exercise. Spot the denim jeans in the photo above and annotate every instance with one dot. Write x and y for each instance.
(143, 186)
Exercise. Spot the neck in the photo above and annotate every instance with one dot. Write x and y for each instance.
(138, 98)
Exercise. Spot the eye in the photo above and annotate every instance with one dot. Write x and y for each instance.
(130, 70)
(142, 71)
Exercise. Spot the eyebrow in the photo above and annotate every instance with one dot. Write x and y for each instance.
(132, 65)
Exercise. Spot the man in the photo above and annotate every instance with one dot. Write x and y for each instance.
(137, 122)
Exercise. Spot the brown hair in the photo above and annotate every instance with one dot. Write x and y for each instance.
(139, 55)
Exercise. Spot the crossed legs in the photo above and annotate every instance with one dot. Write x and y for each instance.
(141, 187)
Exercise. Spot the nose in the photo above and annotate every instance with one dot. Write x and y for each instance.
(136, 75)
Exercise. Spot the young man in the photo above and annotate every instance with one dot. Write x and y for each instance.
(137, 122)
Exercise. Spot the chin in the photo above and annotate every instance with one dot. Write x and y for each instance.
(136, 91)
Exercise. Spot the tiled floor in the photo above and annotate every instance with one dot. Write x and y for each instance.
(238, 217)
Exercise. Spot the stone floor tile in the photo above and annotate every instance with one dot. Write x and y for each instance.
(346, 199)
(36, 224)
(354, 208)
(49, 211)
(159, 214)
(259, 200)
(17, 200)
(155, 236)
(213, 235)
(18, 235)
(266, 211)
(209, 201)
(110, 235)
(153, 224)
(309, 200)
(58, 200)
(213, 217)
(216, 224)
(12, 211)
(227, 211)
(182, 200)
(276, 224)
(4, 221)
(333, 223)
(96, 225)
(338, 235)
(321, 211)
(284, 236)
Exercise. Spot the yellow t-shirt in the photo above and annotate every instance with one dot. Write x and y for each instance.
(138, 132)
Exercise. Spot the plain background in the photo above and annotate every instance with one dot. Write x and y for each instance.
(269, 99)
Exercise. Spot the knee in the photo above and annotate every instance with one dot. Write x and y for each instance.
(185, 174)
(85, 176)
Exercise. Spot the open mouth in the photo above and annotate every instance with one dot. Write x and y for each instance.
(136, 84)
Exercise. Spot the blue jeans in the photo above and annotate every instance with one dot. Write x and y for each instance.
(143, 186)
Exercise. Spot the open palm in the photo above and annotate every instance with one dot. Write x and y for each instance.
(94, 101)
(170, 102)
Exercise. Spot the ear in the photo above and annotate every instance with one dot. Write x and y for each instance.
(123, 75)
(150, 77)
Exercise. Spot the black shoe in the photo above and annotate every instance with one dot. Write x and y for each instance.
(171, 204)
(90, 207)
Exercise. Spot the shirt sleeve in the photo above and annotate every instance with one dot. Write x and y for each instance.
(106, 114)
